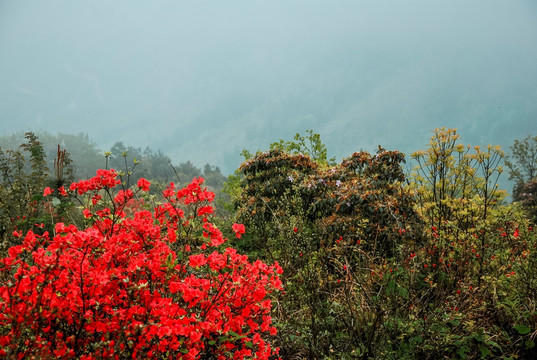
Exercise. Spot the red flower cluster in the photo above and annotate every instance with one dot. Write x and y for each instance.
(104, 179)
(238, 229)
(117, 288)
(143, 184)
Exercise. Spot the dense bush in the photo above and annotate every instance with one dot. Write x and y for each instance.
(23, 176)
(134, 281)
(380, 265)
(325, 225)
(375, 263)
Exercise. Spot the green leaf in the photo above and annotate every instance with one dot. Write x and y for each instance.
(249, 344)
(235, 335)
(391, 287)
(462, 351)
(522, 329)
(493, 343)
(455, 322)
(403, 292)
(485, 351)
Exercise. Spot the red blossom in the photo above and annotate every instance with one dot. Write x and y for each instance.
(87, 213)
(197, 260)
(118, 286)
(62, 191)
(516, 234)
(205, 210)
(143, 184)
(238, 229)
(123, 196)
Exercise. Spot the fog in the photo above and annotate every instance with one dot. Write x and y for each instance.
(202, 80)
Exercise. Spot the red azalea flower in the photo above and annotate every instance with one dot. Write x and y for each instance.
(238, 229)
(143, 184)
(118, 280)
(62, 191)
(205, 210)
(87, 213)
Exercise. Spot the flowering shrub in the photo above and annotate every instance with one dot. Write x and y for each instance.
(23, 175)
(323, 223)
(383, 266)
(135, 283)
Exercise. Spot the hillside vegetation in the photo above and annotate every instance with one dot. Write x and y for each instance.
(302, 257)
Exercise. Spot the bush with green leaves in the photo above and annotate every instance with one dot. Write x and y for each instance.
(328, 226)
(24, 175)
(378, 265)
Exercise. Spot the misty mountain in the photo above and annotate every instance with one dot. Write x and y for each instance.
(202, 81)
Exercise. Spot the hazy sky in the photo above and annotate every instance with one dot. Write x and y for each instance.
(202, 80)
